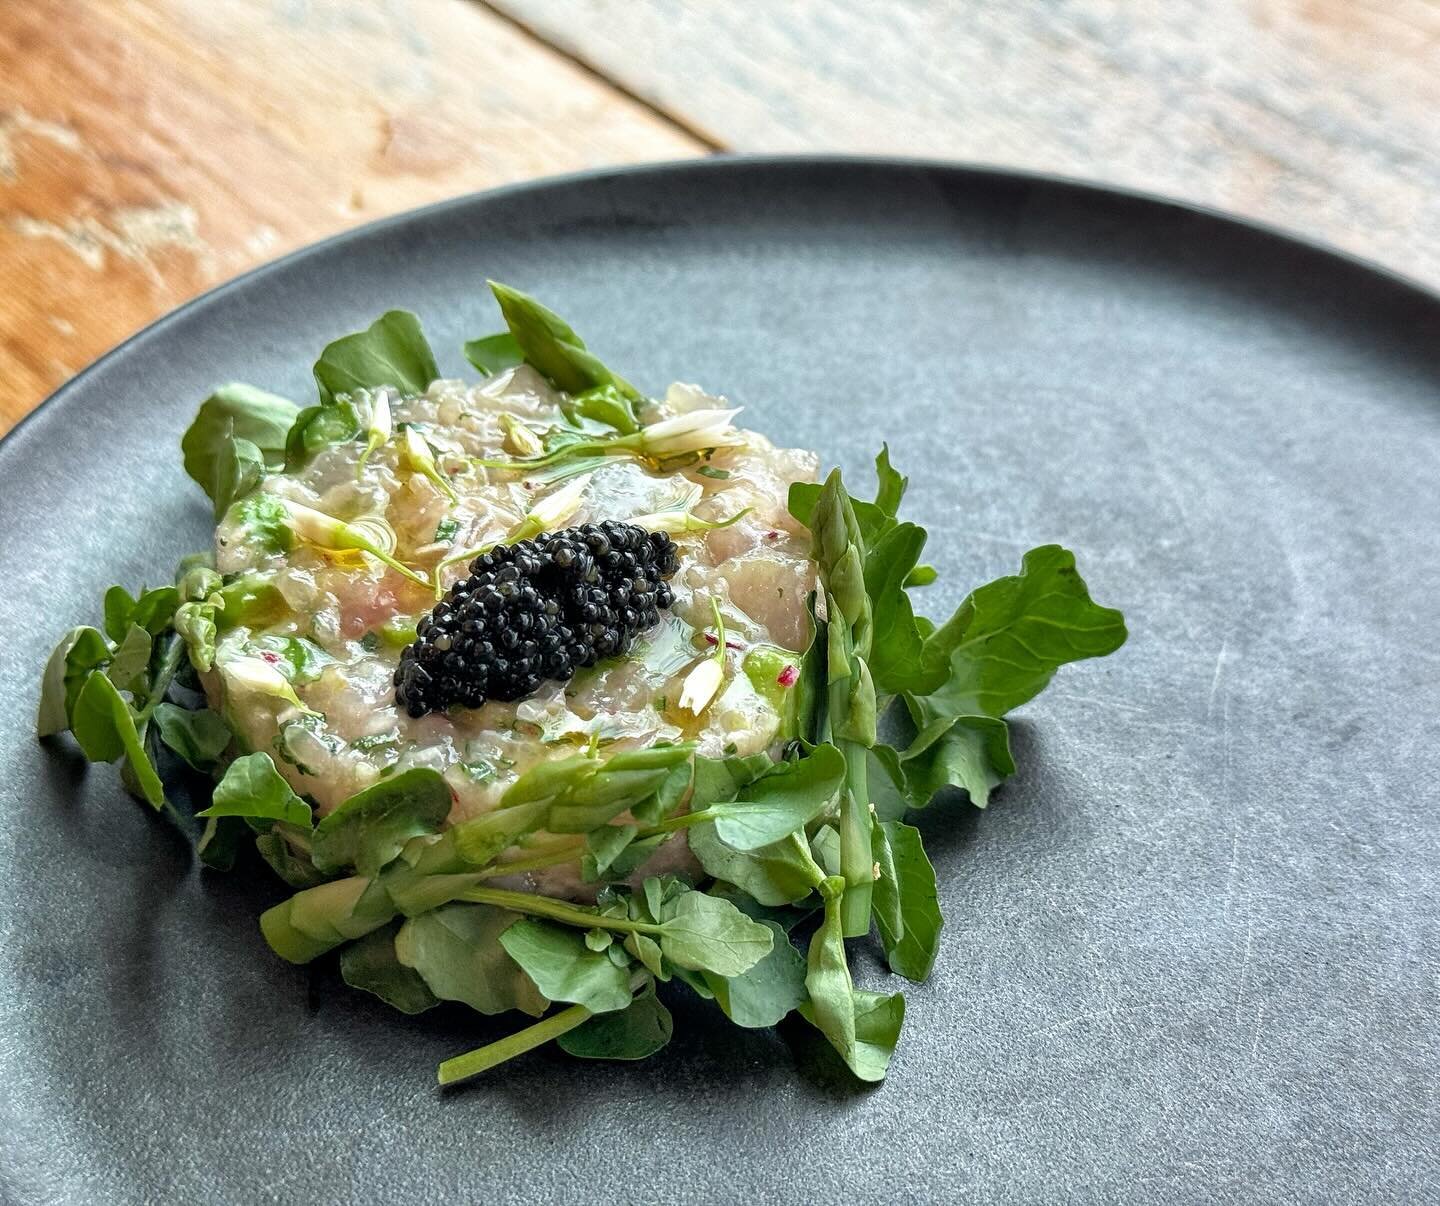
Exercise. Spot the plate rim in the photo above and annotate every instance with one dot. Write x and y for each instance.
(720, 162)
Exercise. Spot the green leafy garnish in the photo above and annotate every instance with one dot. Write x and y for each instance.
(390, 351)
(457, 952)
(238, 434)
(254, 789)
(369, 829)
(199, 737)
(372, 965)
(494, 353)
(551, 347)
(884, 711)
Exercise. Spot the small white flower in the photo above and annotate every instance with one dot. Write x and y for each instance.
(519, 439)
(695, 432)
(701, 684)
(379, 428)
(370, 534)
(422, 461)
(557, 507)
(314, 526)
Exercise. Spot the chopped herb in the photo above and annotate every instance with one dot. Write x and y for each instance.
(376, 741)
(711, 471)
(370, 642)
(478, 772)
(445, 530)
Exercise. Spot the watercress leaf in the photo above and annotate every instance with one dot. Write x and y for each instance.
(152, 611)
(607, 842)
(252, 787)
(265, 522)
(391, 351)
(118, 609)
(80, 651)
(493, 354)
(886, 781)
(552, 348)
(719, 779)
(564, 968)
(105, 728)
(317, 427)
(132, 660)
(198, 737)
(195, 622)
(219, 842)
(232, 413)
(770, 989)
(907, 910)
(1007, 639)
(653, 896)
(830, 1007)
(786, 916)
(239, 469)
(878, 1021)
(897, 642)
(825, 846)
(890, 484)
(779, 873)
(863, 1027)
(456, 950)
(706, 933)
(667, 797)
(369, 829)
(635, 1032)
(635, 856)
(971, 752)
(884, 904)
(784, 799)
(647, 950)
(371, 965)
(606, 404)
(296, 870)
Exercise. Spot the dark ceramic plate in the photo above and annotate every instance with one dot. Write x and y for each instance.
(1192, 946)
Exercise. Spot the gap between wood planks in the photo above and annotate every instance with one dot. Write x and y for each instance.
(683, 125)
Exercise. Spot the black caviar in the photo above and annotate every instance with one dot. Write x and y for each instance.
(538, 609)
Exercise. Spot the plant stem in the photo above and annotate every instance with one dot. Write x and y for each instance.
(671, 824)
(556, 910)
(398, 567)
(482, 1059)
(163, 677)
(857, 859)
(553, 858)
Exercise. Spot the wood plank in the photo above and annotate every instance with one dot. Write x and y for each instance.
(150, 148)
(1316, 115)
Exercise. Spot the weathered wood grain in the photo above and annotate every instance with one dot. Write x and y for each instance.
(150, 148)
(1322, 116)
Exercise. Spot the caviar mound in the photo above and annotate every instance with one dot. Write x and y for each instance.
(535, 610)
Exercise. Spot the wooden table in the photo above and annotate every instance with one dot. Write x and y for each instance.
(151, 148)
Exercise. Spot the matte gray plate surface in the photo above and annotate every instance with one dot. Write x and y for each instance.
(1192, 946)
